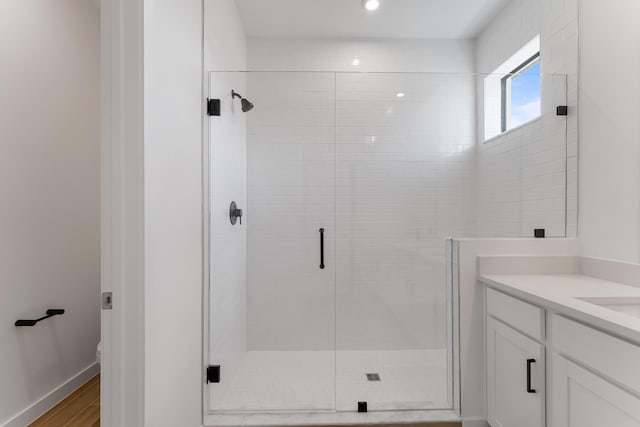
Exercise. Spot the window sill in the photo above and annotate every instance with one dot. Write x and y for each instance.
(500, 135)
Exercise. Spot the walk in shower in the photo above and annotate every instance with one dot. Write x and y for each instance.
(330, 293)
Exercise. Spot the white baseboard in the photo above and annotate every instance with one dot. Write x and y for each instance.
(51, 399)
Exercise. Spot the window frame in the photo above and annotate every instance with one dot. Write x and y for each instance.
(504, 86)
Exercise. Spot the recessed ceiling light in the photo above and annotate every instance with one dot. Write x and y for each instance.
(355, 62)
(370, 5)
(400, 94)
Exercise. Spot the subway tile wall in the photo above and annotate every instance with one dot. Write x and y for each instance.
(388, 178)
(522, 175)
(291, 195)
(521, 181)
(405, 171)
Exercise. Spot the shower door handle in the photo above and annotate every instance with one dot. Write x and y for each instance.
(321, 248)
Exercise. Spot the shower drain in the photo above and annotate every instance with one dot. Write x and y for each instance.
(373, 377)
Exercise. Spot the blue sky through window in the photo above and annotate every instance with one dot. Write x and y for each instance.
(525, 96)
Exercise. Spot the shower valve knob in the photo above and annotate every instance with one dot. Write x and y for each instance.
(235, 214)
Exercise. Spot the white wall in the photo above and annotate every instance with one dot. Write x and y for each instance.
(225, 49)
(610, 129)
(521, 174)
(173, 196)
(50, 189)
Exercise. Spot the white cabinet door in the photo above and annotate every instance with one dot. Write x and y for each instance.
(581, 398)
(515, 378)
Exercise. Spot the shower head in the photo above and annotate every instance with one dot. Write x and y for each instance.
(244, 102)
(246, 105)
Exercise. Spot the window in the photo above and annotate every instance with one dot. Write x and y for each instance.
(512, 91)
(520, 94)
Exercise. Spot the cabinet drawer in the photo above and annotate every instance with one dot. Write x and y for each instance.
(522, 316)
(614, 358)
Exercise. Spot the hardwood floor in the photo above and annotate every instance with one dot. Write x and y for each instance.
(80, 409)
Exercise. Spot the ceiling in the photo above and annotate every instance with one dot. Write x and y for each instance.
(395, 19)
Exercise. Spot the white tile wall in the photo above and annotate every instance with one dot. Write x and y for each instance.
(559, 47)
(521, 175)
(391, 181)
(404, 176)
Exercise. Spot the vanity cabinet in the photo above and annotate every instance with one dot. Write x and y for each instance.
(515, 363)
(593, 377)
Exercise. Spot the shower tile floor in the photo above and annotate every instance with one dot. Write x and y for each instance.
(307, 381)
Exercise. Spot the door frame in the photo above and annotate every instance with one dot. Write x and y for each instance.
(122, 212)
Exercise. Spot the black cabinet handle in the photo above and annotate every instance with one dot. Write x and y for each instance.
(321, 248)
(529, 363)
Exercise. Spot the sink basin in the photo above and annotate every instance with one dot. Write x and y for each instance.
(625, 305)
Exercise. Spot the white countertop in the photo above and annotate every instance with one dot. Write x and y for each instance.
(559, 293)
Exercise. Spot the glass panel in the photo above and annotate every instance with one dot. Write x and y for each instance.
(522, 177)
(405, 182)
(273, 314)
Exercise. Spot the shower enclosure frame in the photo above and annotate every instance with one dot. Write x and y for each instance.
(311, 417)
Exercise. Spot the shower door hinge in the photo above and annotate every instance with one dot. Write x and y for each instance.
(213, 374)
(213, 107)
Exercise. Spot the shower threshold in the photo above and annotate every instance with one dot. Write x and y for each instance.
(330, 418)
(406, 386)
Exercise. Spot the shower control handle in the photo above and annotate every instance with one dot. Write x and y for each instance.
(235, 214)
(321, 248)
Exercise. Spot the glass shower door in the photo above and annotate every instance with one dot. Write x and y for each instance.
(272, 290)
(404, 183)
